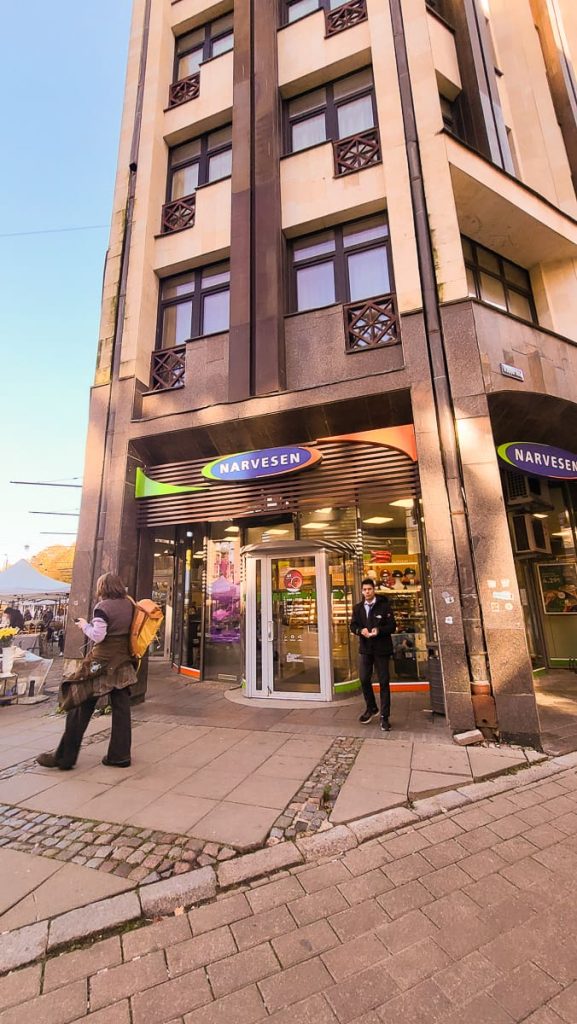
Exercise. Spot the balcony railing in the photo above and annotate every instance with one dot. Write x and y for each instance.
(345, 16)
(186, 89)
(372, 323)
(179, 214)
(167, 369)
(356, 152)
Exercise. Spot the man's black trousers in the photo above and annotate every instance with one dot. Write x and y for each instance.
(380, 663)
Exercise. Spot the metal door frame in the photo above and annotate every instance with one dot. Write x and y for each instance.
(265, 554)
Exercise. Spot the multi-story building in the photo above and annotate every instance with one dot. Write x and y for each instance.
(344, 245)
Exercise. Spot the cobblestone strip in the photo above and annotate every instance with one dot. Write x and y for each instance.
(143, 855)
(309, 811)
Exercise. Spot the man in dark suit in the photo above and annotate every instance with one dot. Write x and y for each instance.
(374, 623)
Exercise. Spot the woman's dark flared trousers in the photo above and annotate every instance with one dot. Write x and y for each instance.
(77, 720)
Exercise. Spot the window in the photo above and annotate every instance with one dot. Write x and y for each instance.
(451, 113)
(193, 304)
(200, 45)
(335, 111)
(198, 162)
(346, 264)
(495, 280)
(296, 9)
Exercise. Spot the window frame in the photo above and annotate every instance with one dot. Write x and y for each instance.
(339, 260)
(203, 161)
(476, 269)
(330, 108)
(322, 5)
(197, 299)
(206, 45)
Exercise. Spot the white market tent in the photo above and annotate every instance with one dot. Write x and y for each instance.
(22, 581)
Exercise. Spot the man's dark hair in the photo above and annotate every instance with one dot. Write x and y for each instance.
(369, 582)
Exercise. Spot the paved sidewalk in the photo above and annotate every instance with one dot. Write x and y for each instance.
(468, 918)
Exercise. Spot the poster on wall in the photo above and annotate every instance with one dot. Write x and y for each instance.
(558, 582)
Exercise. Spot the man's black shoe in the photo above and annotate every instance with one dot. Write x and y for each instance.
(49, 761)
(367, 716)
(385, 725)
(116, 764)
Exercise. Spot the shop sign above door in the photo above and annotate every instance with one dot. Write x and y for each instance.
(539, 459)
(257, 465)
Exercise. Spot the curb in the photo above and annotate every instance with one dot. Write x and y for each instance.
(32, 942)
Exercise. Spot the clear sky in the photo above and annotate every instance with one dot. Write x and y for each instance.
(62, 69)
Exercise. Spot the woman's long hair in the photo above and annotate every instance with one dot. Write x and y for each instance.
(109, 585)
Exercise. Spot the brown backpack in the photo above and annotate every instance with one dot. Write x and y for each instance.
(147, 619)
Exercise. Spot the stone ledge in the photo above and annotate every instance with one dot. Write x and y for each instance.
(97, 917)
(328, 844)
(262, 862)
(23, 946)
(440, 804)
(386, 821)
(179, 891)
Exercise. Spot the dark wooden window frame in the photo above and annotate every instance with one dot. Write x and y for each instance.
(339, 260)
(206, 46)
(323, 5)
(329, 108)
(203, 160)
(476, 269)
(197, 298)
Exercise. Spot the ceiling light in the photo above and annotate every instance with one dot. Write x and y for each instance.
(378, 520)
(402, 503)
(232, 529)
(198, 554)
(314, 526)
(323, 510)
(275, 533)
(540, 515)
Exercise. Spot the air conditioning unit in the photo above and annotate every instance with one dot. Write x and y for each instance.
(530, 535)
(521, 489)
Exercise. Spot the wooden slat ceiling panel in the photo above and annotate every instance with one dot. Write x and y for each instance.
(346, 472)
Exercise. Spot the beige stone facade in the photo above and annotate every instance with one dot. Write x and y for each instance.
(471, 138)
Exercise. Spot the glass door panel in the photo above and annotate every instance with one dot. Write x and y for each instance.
(293, 630)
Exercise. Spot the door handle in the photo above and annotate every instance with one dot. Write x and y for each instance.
(270, 631)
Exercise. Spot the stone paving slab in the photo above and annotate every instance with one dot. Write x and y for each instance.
(374, 935)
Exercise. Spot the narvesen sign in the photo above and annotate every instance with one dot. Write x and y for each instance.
(267, 462)
(540, 459)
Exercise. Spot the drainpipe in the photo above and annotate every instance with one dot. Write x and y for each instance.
(121, 295)
(445, 414)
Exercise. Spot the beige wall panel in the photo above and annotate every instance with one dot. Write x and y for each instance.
(555, 291)
(312, 197)
(397, 185)
(211, 107)
(187, 14)
(444, 58)
(206, 242)
(306, 58)
(445, 234)
(516, 222)
(568, 10)
(549, 363)
(538, 141)
(112, 268)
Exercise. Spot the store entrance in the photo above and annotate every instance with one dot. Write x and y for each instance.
(287, 631)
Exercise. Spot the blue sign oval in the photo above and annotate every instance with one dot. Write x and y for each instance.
(539, 459)
(267, 462)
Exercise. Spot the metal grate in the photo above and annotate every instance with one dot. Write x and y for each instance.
(186, 89)
(179, 214)
(357, 152)
(373, 323)
(167, 369)
(345, 16)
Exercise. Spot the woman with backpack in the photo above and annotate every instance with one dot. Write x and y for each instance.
(113, 672)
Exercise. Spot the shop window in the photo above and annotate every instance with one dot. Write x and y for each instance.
(193, 304)
(198, 162)
(339, 14)
(192, 50)
(498, 282)
(343, 111)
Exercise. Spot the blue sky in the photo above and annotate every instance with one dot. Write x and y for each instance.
(62, 69)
